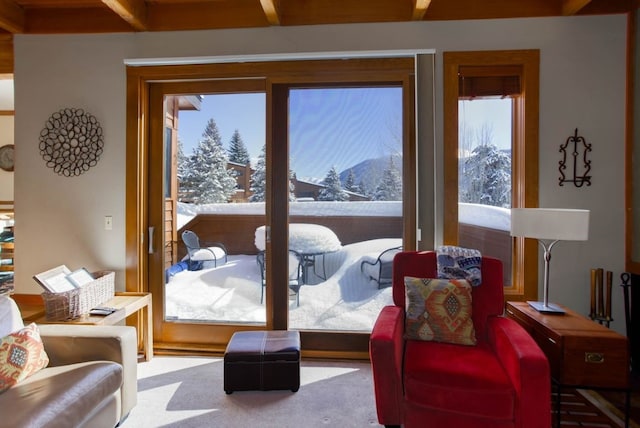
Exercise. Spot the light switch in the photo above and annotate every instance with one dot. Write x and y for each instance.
(108, 222)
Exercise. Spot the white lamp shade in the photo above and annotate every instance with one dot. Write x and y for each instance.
(550, 223)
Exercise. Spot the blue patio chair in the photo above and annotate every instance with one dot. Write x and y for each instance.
(197, 254)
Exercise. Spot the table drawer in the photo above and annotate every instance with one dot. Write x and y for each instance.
(595, 360)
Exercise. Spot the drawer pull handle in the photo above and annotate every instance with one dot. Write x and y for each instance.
(594, 357)
(551, 340)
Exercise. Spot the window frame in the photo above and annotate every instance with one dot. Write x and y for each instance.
(525, 153)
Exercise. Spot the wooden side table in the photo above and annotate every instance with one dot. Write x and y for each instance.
(126, 303)
(581, 352)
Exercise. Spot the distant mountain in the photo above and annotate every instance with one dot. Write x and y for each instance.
(369, 172)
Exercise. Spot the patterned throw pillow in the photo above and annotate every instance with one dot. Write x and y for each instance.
(21, 355)
(439, 310)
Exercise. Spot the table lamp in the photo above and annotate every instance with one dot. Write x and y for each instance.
(549, 226)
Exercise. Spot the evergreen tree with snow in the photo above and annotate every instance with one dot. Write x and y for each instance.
(489, 173)
(333, 190)
(238, 152)
(350, 183)
(208, 178)
(183, 166)
(258, 185)
(259, 180)
(390, 186)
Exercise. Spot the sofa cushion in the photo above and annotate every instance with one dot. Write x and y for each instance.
(440, 376)
(10, 317)
(21, 355)
(439, 309)
(61, 396)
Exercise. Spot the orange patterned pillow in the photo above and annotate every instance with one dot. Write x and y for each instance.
(439, 310)
(21, 355)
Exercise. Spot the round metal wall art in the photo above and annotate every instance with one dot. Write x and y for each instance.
(71, 142)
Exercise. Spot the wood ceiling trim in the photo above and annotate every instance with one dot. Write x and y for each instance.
(270, 8)
(72, 21)
(202, 16)
(12, 17)
(571, 7)
(419, 9)
(132, 11)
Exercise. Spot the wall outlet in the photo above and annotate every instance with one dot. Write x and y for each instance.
(108, 222)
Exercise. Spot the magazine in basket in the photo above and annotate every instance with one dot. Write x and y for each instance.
(70, 295)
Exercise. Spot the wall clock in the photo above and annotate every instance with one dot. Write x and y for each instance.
(71, 142)
(6, 157)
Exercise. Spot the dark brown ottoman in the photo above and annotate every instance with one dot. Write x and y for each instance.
(262, 360)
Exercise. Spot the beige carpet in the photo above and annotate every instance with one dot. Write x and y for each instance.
(187, 392)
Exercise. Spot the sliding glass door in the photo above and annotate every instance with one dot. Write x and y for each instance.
(254, 165)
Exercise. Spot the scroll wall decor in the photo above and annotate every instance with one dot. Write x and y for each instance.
(581, 166)
(71, 142)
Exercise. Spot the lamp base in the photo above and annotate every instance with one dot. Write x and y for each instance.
(549, 308)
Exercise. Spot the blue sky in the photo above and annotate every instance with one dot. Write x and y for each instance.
(328, 127)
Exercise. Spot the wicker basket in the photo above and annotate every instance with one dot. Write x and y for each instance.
(75, 303)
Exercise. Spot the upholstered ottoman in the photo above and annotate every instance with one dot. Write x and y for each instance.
(262, 360)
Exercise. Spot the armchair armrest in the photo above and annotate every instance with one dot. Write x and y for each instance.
(386, 349)
(526, 365)
(69, 344)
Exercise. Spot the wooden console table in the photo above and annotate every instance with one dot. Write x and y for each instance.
(126, 303)
(581, 353)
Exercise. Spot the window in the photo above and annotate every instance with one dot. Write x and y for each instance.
(496, 79)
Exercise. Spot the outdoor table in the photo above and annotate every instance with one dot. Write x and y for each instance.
(308, 240)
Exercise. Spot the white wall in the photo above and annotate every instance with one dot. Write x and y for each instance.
(582, 74)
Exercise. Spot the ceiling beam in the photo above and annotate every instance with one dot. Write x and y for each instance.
(571, 7)
(419, 9)
(132, 11)
(11, 17)
(270, 8)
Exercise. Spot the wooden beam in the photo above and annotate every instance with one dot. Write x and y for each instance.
(132, 11)
(6, 56)
(571, 7)
(11, 16)
(419, 9)
(270, 8)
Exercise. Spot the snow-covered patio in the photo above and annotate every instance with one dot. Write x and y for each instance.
(346, 300)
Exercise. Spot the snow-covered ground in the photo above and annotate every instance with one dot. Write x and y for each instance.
(346, 300)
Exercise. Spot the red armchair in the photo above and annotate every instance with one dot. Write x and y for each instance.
(502, 381)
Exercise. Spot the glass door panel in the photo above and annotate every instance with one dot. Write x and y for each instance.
(485, 177)
(214, 193)
(345, 209)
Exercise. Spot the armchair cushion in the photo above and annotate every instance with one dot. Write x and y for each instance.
(439, 310)
(469, 382)
(21, 355)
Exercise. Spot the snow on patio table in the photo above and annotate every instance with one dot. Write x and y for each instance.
(347, 300)
(305, 238)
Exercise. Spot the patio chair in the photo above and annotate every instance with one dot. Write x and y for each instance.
(197, 254)
(295, 273)
(380, 270)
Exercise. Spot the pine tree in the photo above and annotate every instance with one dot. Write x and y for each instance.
(259, 179)
(208, 177)
(238, 152)
(333, 190)
(183, 166)
(489, 172)
(390, 186)
(350, 183)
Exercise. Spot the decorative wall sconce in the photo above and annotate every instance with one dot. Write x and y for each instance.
(580, 149)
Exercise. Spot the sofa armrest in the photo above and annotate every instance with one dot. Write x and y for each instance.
(386, 350)
(527, 367)
(68, 344)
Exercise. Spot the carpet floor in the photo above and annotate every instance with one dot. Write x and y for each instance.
(188, 392)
